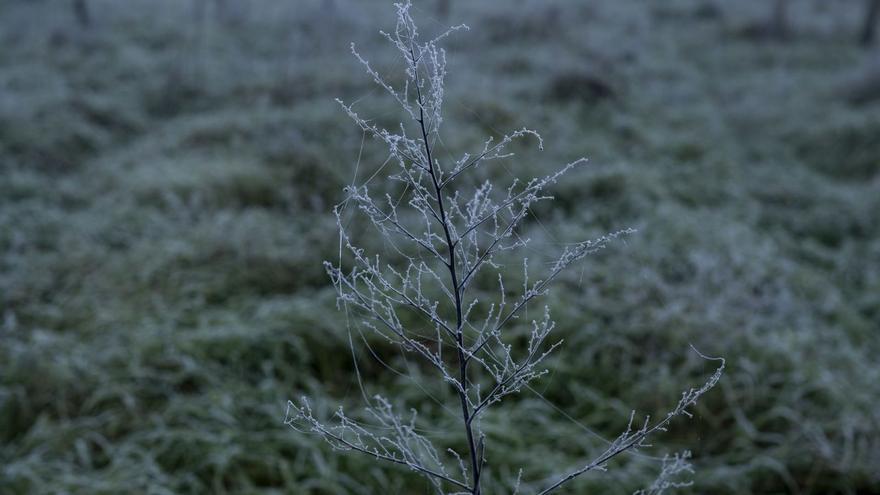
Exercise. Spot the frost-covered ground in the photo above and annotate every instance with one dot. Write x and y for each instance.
(166, 180)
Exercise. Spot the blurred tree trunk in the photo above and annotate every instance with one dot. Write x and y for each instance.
(81, 13)
(779, 20)
(869, 27)
(443, 8)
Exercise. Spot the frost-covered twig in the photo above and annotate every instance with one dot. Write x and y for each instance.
(401, 445)
(634, 439)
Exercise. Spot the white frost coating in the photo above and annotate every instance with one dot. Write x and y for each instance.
(448, 234)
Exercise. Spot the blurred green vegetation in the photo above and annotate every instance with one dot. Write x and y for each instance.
(166, 178)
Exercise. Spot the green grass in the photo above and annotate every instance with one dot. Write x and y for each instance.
(165, 193)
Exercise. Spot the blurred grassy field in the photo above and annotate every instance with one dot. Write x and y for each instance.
(166, 180)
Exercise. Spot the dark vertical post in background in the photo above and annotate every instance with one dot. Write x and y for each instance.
(779, 20)
(869, 28)
(81, 12)
(443, 9)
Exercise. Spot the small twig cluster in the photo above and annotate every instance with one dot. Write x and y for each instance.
(446, 235)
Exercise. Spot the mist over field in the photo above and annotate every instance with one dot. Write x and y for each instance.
(168, 174)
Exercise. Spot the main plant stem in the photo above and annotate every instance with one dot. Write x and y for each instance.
(459, 320)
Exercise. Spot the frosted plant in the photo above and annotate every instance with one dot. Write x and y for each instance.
(444, 234)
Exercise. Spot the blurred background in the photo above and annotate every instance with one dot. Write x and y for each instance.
(168, 169)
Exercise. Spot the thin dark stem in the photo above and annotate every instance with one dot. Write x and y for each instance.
(453, 273)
